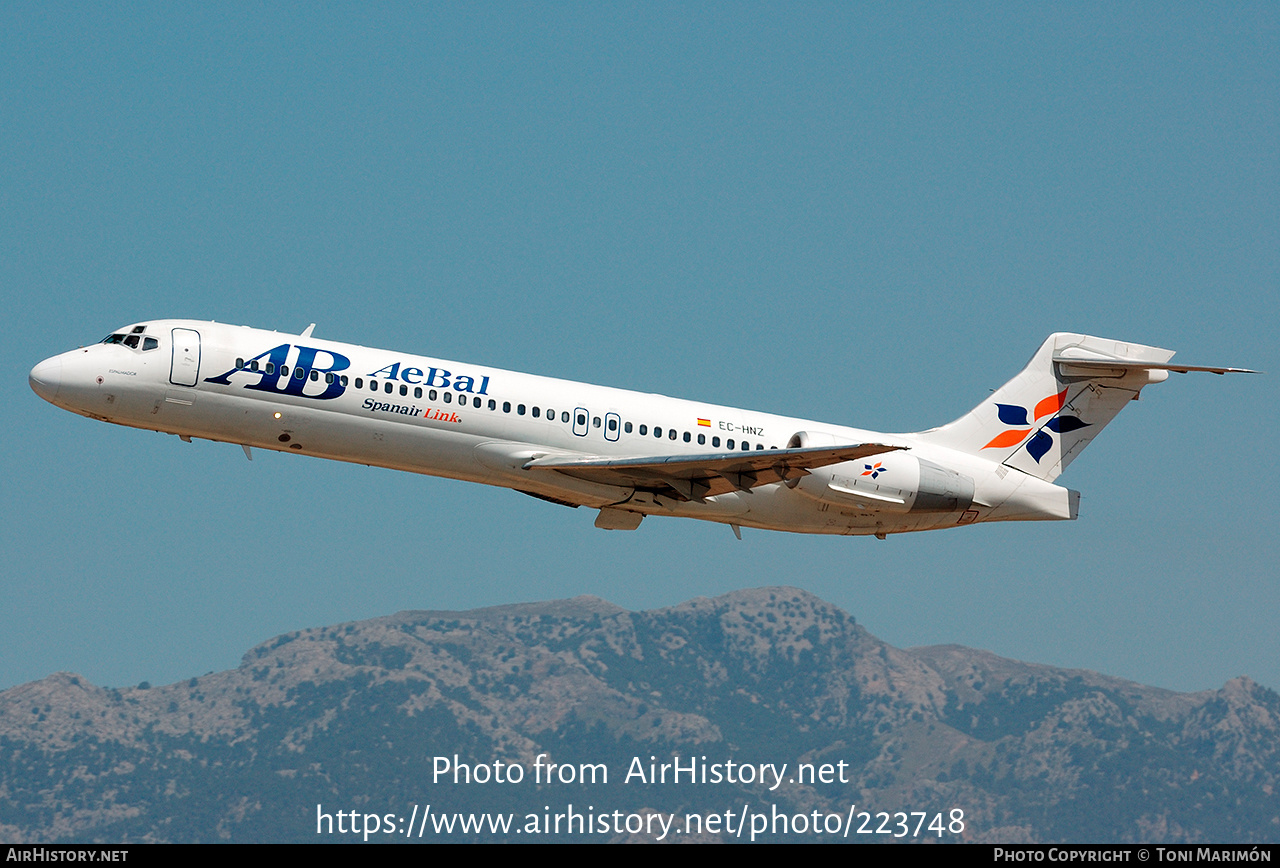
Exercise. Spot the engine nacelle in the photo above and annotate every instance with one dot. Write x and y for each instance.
(806, 439)
(892, 482)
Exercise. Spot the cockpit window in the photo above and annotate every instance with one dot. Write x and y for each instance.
(133, 340)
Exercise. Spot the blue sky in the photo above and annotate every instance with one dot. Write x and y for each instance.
(864, 214)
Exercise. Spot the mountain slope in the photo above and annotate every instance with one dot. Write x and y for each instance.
(354, 717)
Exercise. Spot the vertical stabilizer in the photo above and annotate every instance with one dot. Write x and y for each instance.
(1039, 421)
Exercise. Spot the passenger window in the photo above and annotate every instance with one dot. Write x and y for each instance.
(417, 391)
(373, 385)
(299, 373)
(746, 447)
(506, 406)
(448, 397)
(627, 427)
(729, 445)
(536, 412)
(342, 378)
(595, 422)
(657, 432)
(315, 375)
(520, 409)
(759, 447)
(564, 415)
(475, 402)
(671, 435)
(404, 391)
(686, 437)
(284, 370)
(715, 441)
(432, 394)
(328, 378)
(644, 429)
(271, 367)
(493, 405)
(387, 388)
(702, 438)
(239, 364)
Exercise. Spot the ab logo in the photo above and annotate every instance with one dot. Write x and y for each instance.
(312, 366)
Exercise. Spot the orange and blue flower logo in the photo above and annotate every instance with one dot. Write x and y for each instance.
(1042, 441)
(873, 470)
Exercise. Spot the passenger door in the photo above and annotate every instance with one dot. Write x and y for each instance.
(185, 368)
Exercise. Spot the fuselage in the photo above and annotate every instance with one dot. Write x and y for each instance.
(296, 393)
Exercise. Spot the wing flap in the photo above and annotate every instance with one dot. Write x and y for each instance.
(698, 477)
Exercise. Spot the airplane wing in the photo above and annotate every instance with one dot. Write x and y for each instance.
(701, 476)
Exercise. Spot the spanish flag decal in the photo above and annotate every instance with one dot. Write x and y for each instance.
(705, 423)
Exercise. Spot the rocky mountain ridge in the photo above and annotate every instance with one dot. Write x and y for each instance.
(357, 714)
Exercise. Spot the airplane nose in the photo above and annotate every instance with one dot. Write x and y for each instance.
(46, 378)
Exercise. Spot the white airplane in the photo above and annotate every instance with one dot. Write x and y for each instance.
(627, 454)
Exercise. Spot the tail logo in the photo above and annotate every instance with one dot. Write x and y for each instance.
(1042, 441)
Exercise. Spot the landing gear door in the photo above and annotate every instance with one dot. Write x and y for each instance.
(186, 357)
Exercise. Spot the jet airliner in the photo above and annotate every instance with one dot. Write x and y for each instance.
(626, 454)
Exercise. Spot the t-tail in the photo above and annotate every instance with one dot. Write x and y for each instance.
(1039, 421)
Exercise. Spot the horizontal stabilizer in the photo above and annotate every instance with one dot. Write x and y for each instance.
(698, 477)
(1097, 364)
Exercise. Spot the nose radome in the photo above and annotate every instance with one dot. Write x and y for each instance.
(46, 378)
